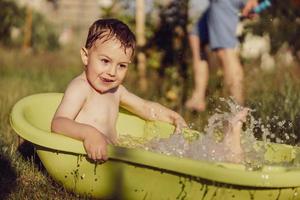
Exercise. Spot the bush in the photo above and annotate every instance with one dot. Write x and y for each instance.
(12, 17)
(44, 37)
(281, 21)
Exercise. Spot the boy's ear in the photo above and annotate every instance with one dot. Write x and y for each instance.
(84, 55)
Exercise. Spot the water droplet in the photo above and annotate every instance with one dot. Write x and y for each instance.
(82, 176)
(295, 193)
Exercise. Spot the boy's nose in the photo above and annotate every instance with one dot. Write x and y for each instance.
(112, 71)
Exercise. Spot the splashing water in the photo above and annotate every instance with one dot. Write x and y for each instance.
(212, 146)
(216, 142)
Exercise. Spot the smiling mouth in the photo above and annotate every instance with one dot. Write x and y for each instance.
(106, 80)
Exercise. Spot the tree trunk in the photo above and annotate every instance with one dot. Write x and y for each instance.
(27, 30)
(140, 36)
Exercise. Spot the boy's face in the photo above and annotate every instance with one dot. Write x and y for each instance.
(106, 64)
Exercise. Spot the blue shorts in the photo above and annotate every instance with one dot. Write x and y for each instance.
(217, 26)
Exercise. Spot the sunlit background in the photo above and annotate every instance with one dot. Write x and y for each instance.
(39, 52)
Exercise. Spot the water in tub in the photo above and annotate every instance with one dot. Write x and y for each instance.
(212, 145)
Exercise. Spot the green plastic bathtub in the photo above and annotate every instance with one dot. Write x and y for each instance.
(138, 174)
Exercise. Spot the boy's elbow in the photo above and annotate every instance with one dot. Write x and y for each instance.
(55, 125)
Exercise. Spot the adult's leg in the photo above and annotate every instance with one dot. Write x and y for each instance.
(233, 73)
(200, 69)
(222, 23)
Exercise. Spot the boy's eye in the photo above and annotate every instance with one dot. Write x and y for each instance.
(105, 61)
(123, 65)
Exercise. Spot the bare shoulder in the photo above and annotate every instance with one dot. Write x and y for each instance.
(129, 99)
(121, 89)
(77, 90)
(123, 92)
(78, 85)
(74, 98)
(80, 82)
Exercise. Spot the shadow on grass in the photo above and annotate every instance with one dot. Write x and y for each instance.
(28, 152)
(52, 191)
(8, 177)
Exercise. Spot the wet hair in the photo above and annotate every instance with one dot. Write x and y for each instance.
(111, 29)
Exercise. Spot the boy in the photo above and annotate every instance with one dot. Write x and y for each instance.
(89, 108)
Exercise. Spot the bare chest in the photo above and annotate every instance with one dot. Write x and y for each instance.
(100, 111)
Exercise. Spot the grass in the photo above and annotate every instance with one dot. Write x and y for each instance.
(23, 177)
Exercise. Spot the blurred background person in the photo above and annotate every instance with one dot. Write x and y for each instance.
(216, 28)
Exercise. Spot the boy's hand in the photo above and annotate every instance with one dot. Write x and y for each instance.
(179, 123)
(95, 144)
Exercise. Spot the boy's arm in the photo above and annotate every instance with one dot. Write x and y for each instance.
(63, 121)
(150, 110)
